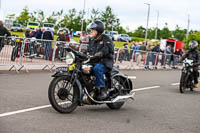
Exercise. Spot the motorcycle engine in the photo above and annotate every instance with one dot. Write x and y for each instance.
(87, 69)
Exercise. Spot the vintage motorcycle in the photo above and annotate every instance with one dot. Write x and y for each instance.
(74, 85)
(187, 78)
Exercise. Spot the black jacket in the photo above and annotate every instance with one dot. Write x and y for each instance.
(192, 55)
(47, 35)
(156, 49)
(38, 34)
(102, 50)
(4, 31)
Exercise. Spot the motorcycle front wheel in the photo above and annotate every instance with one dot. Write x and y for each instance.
(183, 83)
(62, 95)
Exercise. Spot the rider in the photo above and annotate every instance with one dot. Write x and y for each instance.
(193, 55)
(101, 50)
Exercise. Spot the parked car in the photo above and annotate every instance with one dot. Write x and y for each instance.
(49, 25)
(111, 34)
(33, 25)
(16, 27)
(124, 38)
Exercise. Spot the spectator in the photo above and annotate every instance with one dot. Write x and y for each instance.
(168, 55)
(177, 55)
(132, 50)
(142, 51)
(32, 34)
(61, 36)
(71, 33)
(67, 35)
(155, 55)
(3, 32)
(38, 33)
(137, 53)
(126, 53)
(84, 38)
(49, 37)
(149, 48)
(27, 33)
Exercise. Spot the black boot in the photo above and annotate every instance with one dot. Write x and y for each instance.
(102, 94)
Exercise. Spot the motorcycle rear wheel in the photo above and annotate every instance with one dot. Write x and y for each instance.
(60, 98)
(118, 82)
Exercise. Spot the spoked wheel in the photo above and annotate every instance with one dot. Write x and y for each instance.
(183, 83)
(14, 54)
(118, 84)
(62, 95)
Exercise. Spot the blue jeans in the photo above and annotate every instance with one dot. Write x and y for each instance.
(154, 55)
(99, 70)
(47, 52)
(148, 58)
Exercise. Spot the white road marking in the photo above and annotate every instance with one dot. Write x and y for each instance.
(47, 106)
(146, 88)
(131, 77)
(174, 84)
(24, 110)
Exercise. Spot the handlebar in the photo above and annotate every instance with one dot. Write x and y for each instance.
(82, 56)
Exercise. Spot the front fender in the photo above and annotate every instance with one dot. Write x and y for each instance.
(59, 74)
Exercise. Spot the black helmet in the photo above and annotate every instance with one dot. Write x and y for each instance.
(98, 26)
(193, 44)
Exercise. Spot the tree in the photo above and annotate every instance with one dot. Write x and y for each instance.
(165, 32)
(40, 17)
(109, 18)
(139, 32)
(95, 15)
(52, 18)
(193, 36)
(179, 33)
(24, 16)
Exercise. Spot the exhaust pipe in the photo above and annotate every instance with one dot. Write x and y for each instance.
(131, 95)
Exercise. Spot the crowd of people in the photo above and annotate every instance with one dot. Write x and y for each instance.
(149, 52)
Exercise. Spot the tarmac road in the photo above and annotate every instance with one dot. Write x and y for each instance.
(24, 107)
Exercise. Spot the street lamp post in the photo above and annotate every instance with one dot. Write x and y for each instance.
(188, 26)
(83, 15)
(156, 33)
(146, 34)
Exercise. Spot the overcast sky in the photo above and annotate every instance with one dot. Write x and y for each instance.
(132, 13)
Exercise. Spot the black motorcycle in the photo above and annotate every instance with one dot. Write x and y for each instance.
(187, 78)
(74, 85)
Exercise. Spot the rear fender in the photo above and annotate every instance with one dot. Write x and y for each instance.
(128, 82)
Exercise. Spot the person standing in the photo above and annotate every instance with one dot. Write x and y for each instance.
(132, 50)
(137, 53)
(148, 55)
(48, 38)
(155, 55)
(3, 32)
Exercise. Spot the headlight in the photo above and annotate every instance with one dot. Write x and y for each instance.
(70, 57)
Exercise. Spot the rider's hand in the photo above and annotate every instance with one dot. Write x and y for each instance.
(88, 59)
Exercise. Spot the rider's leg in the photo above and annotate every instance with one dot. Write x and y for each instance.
(196, 74)
(99, 71)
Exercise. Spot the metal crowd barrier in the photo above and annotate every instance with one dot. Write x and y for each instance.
(19, 53)
(133, 59)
